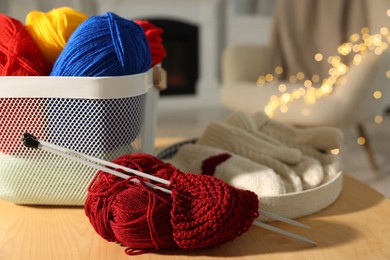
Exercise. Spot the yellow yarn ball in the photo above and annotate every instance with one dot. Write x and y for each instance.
(52, 30)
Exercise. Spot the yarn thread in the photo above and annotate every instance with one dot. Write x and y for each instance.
(129, 213)
(202, 211)
(19, 55)
(52, 30)
(104, 45)
(155, 41)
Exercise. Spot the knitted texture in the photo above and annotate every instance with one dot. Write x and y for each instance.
(202, 211)
(52, 30)
(234, 170)
(315, 167)
(246, 122)
(239, 141)
(310, 171)
(330, 163)
(155, 41)
(251, 147)
(324, 138)
(104, 45)
(209, 166)
(208, 212)
(19, 55)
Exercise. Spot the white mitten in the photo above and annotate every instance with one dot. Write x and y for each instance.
(241, 142)
(331, 163)
(233, 169)
(324, 138)
(246, 122)
(311, 172)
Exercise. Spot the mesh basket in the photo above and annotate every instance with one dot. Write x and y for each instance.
(101, 117)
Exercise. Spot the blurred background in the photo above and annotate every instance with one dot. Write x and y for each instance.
(198, 34)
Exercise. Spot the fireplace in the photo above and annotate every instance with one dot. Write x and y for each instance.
(193, 37)
(182, 62)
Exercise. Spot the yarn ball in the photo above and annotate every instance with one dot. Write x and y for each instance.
(130, 213)
(202, 211)
(52, 30)
(155, 41)
(104, 45)
(19, 55)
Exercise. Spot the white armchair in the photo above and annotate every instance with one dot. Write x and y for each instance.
(351, 103)
(301, 30)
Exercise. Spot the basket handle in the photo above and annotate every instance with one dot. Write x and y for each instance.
(159, 78)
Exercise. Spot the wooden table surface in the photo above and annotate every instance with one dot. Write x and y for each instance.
(356, 226)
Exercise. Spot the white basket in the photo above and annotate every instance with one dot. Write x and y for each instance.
(104, 117)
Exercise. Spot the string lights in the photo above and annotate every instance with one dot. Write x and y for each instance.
(313, 88)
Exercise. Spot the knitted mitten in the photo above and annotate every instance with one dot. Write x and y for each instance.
(246, 122)
(243, 143)
(252, 150)
(324, 138)
(235, 170)
(311, 172)
(330, 163)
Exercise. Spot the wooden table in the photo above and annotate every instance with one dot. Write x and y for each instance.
(357, 225)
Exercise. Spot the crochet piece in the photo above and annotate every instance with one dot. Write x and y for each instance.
(207, 212)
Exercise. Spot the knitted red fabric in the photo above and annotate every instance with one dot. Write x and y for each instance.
(210, 164)
(202, 211)
(153, 34)
(19, 55)
(129, 213)
(208, 212)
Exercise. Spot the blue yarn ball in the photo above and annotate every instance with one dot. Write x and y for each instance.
(104, 45)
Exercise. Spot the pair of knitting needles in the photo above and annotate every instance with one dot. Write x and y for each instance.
(31, 141)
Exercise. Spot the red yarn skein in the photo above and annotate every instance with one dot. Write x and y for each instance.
(130, 213)
(19, 55)
(202, 211)
(153, 35)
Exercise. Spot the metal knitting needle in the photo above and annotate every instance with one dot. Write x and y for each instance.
(33, 142)
(44, 144)
(282, 219)
(284, 232)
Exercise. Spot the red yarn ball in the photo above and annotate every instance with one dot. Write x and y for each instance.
(130, 213)
(153, 35)
(19, 55)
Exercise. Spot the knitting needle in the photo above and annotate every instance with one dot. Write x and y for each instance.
(284, 232)
(31, 141)
(100, 161)
(282, 219)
